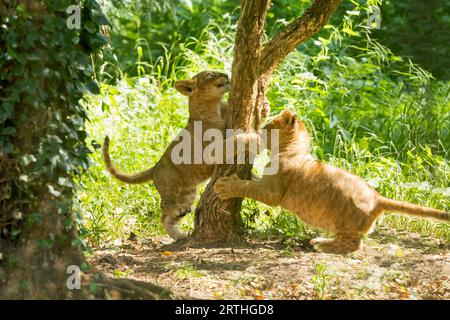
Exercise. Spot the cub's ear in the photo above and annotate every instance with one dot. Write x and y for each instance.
(293, 121)
(185, 87)
(289, 118)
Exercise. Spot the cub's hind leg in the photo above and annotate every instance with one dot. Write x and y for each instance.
(175, 207)
(171, 217)
(170, 224)
(343, 243)
(169, 192)
(186, 200)
(176, 211)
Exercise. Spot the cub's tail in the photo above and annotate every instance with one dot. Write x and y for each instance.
(413, 209)
(136, 178)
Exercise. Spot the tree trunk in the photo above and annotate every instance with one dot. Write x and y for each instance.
(217, 220)
(220, 221)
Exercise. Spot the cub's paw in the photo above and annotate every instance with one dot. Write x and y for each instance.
(335, 246)
(316, 243)
(224, 187)
(180, 235)
(175, 233)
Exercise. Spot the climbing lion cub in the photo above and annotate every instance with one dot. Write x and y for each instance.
(320, 194)
(177, 184)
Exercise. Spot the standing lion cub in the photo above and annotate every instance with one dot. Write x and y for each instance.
(321, 195)
(177, 183)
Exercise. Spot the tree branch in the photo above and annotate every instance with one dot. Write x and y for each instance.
(300, 30)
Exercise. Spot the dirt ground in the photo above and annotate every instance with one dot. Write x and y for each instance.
(391, 265)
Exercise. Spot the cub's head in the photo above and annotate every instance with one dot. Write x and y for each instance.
(290, 128)
(207, 85)
(286, 122)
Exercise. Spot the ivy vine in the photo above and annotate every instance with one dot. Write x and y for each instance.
(45, 70)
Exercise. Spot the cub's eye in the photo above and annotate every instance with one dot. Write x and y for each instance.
(210, 76)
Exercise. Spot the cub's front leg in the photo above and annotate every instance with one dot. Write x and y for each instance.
(239, 145)
(234, 187)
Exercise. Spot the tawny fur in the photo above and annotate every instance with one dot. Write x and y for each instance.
(177, 184)
(321, 195)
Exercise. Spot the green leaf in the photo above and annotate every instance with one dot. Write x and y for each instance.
(349, 31)
(85, 266)
(25, 178)
(27, 159)
(8, 131)
(101, 19)
(53, 191)
(8, 148)
(6, 110)
(64, 182)
(93, 288)
(93, 87)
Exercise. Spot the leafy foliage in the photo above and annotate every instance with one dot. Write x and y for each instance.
(146, 30)
(45, 70)
(421, 33)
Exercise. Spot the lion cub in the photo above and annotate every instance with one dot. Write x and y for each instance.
(177, 184)
(320, 194)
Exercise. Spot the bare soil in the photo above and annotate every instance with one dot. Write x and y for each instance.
(391, 265)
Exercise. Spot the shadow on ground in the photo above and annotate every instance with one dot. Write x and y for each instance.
(391, 265)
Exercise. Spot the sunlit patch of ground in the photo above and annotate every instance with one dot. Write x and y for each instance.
(391, 265)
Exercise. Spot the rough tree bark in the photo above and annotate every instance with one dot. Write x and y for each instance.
(253, 66)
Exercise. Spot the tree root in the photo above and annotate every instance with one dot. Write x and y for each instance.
(127, 289)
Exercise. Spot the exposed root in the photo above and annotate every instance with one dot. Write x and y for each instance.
(127, 289)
